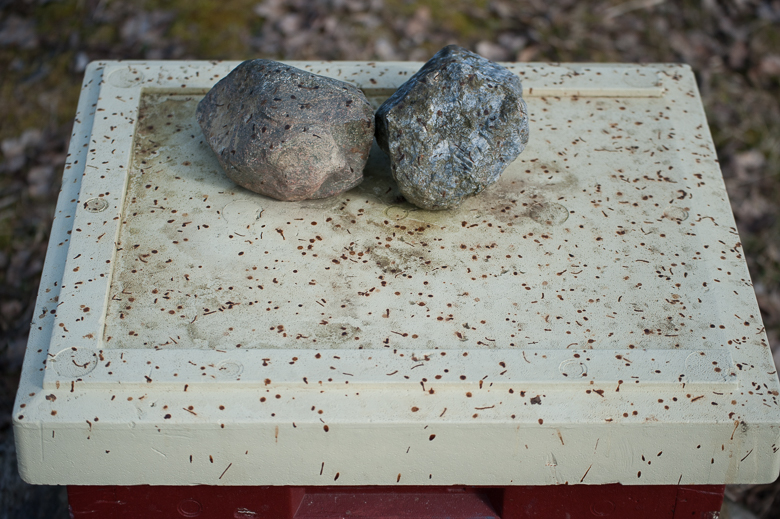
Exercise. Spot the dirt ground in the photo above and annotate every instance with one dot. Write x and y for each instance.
(45, 45)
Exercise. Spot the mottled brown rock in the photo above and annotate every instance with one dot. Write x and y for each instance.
(286, 133)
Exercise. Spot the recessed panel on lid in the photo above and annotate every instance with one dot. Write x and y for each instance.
(587, 241)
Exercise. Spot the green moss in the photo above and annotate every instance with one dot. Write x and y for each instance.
(6, 233)
(211, 30)
(766, 39)
(47, 102)
(103, 35)
(454, 17)
(60, 18)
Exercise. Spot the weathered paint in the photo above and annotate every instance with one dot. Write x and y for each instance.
(421, 502)
(589, 319)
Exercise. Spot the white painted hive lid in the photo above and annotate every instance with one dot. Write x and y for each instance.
(564, 326)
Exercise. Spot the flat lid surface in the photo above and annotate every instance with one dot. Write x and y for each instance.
(587, 241)
(591, 239)
(596, 292)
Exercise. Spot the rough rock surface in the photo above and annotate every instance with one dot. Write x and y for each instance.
(286, 133)
(452, 128)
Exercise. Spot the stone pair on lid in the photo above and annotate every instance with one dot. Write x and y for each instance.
(450, 131)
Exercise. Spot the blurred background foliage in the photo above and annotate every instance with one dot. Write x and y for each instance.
(45, 45)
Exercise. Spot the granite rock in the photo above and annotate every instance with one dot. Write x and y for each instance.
(287, 133)
(452, 128)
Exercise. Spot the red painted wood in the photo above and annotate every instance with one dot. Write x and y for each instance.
(519, 502)
(394, 505)
(204, 502)
(613, 501)
(699, 502)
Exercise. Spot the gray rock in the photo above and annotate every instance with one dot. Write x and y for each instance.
(286, 133)
(452, 129)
